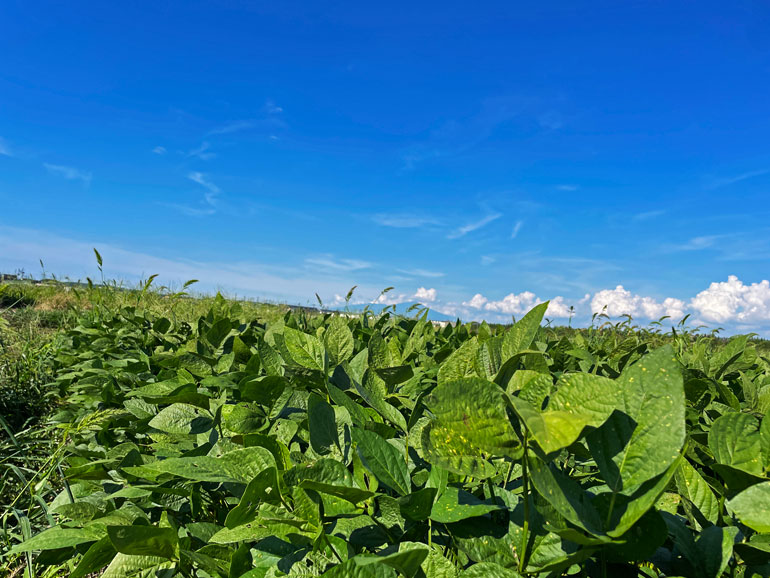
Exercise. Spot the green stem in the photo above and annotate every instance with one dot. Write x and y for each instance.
(525, 494)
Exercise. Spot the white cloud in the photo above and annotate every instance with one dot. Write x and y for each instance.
(697, 243)
(738, 178)
(69, 173)
(390, 299)
(237, 126)
(567, 187)
(5, 148)
(272, 108)
(424, 294)
(421, 272)
(65, 256)
(558, 308)
(487, 260)
(516, 229)
(403, 221)
(475, 225)
(202, 152)
(339, 265)
(477, 301)
(620, 301)
(513, 304)
(203, 180)
(733, 301)
(159, 150)
(647, 215)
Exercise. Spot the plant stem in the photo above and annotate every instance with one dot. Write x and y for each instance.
(525, 494)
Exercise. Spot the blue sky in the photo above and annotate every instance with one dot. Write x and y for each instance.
(482, 157)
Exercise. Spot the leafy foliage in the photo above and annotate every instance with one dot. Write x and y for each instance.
(379, 446)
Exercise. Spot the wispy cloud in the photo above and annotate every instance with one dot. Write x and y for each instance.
(328, 261)
(567, 187)
(69, 173)
(203, 180)
(272, 108)
(421, 273)
(487, 260)
(235, 126)
(737, 178)
(696, 243)
(474, 226)
(516, 229)
(5, 148)
(403, 221)
(159, 150)
(202, 152)
(647, 215)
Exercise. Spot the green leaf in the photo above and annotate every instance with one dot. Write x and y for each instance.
(520, 337)
(693, 487)
(96, 557)
(55, 538)
(752, 507)
(125, 565)
(382, 459)
(181, 418)
(144, 541)
(263, 487)
(460, 364)
(590, 396)
(463, 459)
(322, 425)
(242, 418)
(735, 441)
(406, 561)
(456, 504)
(643, 437)
(552, 430)
(566, 496)
(306, 350)
(489, 570)
(338, 340)
(238, 466)
(471, 416)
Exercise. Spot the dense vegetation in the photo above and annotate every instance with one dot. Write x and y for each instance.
(231, 442)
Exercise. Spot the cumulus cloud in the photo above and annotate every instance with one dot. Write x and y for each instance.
(69, 173)
(621, 301)
(733, 301)
(423, 294)
(513, 304)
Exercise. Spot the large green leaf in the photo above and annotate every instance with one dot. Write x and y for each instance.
(735, 441)
(693, 487)
(644, 435)
(460, 364)
(522, 334)
(552, 430)
(382, 459)
(238, 466)
(470, 415)
(338, 340)
(322, 425)
(752, 507)
(306, 350)
(590, 396)
(181, 418)
(144, 541)
(456, 504)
